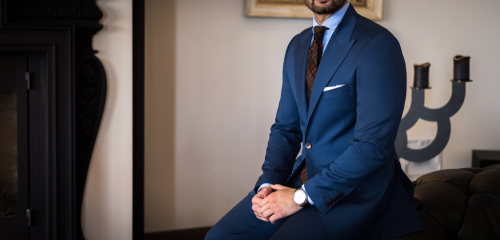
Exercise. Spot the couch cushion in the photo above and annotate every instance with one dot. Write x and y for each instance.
(482, 219)
(459, 204)
(456, 177)
(445, 202)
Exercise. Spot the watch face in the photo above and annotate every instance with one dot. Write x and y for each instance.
(299, 196)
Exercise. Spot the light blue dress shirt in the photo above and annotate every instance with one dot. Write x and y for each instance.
(331, 23)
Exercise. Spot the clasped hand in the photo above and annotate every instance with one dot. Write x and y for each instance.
(270, 206)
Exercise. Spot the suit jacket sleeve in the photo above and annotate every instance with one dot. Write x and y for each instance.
(284, 139)
(381, 91)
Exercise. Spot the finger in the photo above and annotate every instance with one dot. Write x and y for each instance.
(256, 200)
(278, 187)
(274, 219)
(260, 196)
(265, 192)
(268, 213)
(263, 219)
(260, 217)
(263, 202)
(263, 208)
(255, 207)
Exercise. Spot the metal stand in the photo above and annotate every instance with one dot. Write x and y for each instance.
(441, 116)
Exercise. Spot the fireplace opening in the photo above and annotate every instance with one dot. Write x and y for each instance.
(8, 144)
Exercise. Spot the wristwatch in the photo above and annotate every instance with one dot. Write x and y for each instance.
(300, 197)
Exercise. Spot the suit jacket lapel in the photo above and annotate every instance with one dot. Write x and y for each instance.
(337, 49)
(333, 57)
(300, 62)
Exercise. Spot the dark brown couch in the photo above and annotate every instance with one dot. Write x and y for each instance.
(459, 204)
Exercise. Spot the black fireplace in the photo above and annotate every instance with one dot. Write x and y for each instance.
(52, 96)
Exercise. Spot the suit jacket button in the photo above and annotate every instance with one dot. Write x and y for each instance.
(308, 146)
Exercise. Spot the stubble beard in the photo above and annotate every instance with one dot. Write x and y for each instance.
(334, 6)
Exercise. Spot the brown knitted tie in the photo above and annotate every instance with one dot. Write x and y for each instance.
(313, 60)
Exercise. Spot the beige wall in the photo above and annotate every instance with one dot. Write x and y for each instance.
(107, 205)
(213, 80)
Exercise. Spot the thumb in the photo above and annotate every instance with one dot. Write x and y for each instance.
(266, 191)
(278, 187)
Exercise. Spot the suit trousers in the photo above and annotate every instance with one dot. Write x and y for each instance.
(241, 223)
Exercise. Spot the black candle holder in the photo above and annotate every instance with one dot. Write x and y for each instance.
(421, 76)
(461, 68)
(441, 116)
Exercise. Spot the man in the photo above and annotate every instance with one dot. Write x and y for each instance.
(343, 93)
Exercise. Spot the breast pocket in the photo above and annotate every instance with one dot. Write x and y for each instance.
(341, 90)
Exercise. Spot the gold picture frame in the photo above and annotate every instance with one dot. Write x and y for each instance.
(371, 9)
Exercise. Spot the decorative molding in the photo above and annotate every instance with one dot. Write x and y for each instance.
(54, 10)
(90, 98)
(281, 9)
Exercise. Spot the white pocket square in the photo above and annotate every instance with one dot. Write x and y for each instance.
(333, 87)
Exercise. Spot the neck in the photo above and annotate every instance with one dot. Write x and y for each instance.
(321, 18)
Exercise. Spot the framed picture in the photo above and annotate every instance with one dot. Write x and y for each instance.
(371, 9)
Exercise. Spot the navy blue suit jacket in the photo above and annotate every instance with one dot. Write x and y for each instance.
(355, 178)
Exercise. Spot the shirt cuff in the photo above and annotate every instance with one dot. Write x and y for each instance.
(264, 185)
(308, 198)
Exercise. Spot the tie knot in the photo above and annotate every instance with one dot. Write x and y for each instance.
(319, 31)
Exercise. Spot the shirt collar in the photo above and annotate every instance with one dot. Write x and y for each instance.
(333, 21)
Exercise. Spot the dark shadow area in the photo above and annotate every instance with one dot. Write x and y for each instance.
(160, 58)
(183, 234)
